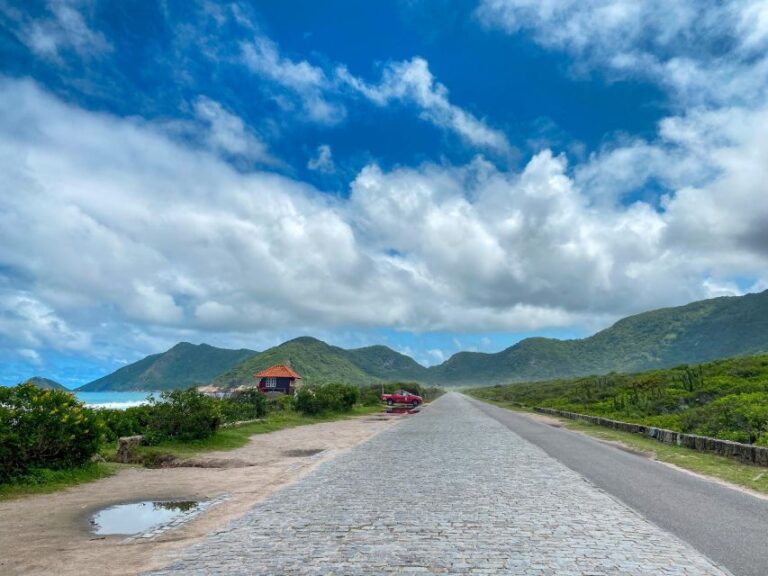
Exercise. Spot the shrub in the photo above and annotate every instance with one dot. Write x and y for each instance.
(326, 398)
(738, 417)
(245, 405)
(182, 415)
(44, 429)
(128, 422)
(280, 403)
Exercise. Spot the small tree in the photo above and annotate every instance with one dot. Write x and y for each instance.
(44, 429)
(244, 405)
(182, 415)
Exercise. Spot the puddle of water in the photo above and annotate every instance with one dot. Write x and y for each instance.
(138, 517)
(305, 452)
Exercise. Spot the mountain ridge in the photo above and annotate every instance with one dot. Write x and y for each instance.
(45, 383)
(696, 332)
(182, 366)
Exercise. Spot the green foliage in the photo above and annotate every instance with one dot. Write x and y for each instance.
(725, 399)
(182, 415)
(128, 422)
(321, 398)
(181, 367)
(281, 403)
(44, 429)
(45, 480)
(738, 417)
(384, 363)
(248, 404)
(316, 361)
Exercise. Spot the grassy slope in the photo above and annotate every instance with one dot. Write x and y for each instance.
(44, 481)
(384, 363)
(697, 332)
(182, 366)
(726, 398)
(318, 362)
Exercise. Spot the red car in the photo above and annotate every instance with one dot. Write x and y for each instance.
(402, 397)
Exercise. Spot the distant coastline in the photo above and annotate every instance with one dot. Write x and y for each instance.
(117, 400)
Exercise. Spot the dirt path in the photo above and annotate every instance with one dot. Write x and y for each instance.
(50, 534)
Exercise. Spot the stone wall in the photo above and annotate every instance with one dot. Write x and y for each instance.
(746, 453)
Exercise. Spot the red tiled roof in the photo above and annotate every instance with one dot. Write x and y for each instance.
(278, 371)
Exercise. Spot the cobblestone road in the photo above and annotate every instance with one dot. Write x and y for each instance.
(449, 491)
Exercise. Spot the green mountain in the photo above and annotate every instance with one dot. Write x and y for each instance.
(386, 364)
(319, 362)
(698, 332)
(182, 366)
(45, 383)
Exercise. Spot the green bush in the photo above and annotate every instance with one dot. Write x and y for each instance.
(245, 405)
(127, 422)
(326, 398)
(44, 429)
(738, 417)
(182, 415)
(280, 403)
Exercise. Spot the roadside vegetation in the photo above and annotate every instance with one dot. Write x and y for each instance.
(726, 399)
(49, 440)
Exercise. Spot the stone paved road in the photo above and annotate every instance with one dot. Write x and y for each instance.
(449, 491)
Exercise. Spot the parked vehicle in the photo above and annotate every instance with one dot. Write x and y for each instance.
(402, 397)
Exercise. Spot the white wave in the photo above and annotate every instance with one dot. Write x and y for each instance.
(117, 405)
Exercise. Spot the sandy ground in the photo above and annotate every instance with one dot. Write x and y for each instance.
(50, 534)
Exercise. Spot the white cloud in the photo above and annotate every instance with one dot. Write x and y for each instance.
(30, 323)
(31, 356)
(412, 82)
(705, 51)
(322, 94)
(436, 356)
(227, 133)
(323, 161)
(63, 29)
(306, 81)
(110, 231)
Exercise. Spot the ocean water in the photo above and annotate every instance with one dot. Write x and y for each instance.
(119, 400)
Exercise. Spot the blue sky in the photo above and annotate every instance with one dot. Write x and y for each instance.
(432, 175)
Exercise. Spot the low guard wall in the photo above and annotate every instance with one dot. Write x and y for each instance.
(746, 453)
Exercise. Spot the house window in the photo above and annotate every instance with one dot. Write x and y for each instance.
(271, 383)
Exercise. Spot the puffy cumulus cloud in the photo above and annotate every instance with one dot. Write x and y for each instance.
(111, 231)
(62, 29)
(412, 82)
(309, 83)
(704, 50)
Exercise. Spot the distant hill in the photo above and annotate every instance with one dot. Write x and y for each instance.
(182, 366)
(319, 362)
(698, 332)
(384, 363)
(45, 383)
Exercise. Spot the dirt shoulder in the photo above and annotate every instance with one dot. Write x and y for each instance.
(50, 534)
